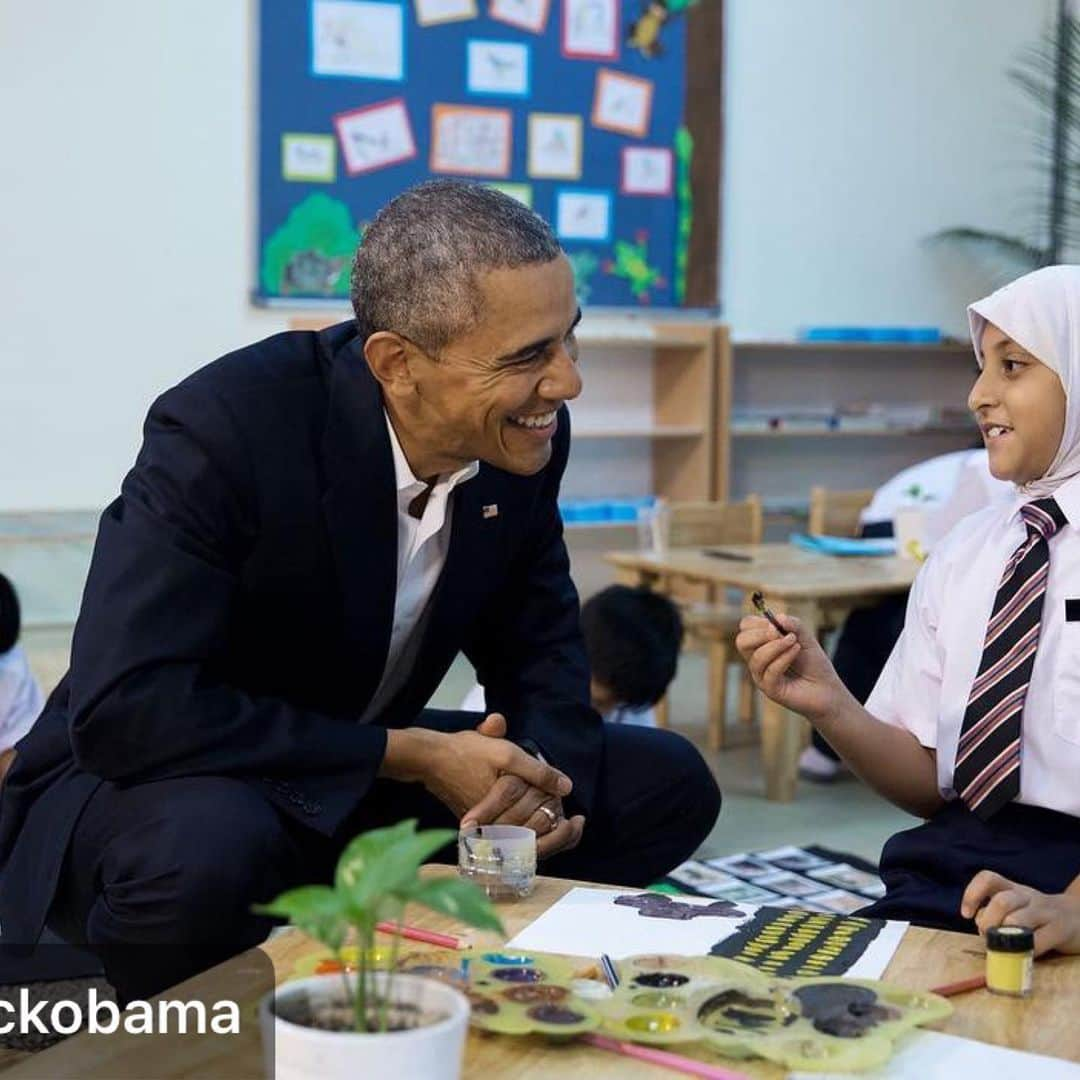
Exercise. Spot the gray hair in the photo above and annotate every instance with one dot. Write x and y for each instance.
(416, 269)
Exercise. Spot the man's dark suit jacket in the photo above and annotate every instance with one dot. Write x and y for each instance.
(238, 610)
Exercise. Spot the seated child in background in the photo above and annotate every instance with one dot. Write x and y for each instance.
(951, 487)
(974, 724)
(632, 639)
(20, 696)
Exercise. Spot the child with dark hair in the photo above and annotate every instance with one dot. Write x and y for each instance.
(20, 696)
(632, 639)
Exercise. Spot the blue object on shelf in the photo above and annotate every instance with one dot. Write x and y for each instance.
(844, 545)
(924, 335)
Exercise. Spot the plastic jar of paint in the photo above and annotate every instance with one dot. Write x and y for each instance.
(1010, 954)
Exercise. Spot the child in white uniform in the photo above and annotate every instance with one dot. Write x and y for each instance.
(975, 721)
(20, 695)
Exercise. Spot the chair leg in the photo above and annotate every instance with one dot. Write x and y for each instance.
(662, 711)
(746, 697)
(718, 665)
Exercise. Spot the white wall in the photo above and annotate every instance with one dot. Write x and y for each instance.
(854, 128)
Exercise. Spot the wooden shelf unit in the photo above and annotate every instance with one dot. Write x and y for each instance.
(781, 465)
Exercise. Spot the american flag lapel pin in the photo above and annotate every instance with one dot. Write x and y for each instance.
(490, 511)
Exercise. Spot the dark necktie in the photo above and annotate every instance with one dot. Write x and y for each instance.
(987, 773)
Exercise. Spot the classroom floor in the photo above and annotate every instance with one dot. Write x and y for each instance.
(844, 816)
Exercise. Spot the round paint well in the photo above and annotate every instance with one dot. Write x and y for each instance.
(654, 1023)
(518, 975)
(508, 959)
(554, 1014)
(483, 1005)
(661, 980)
(657, 999)
(536, 995)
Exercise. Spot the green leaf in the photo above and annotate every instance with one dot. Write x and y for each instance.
(460, 899)
(365, 878)
(317, 910)
(364, 851)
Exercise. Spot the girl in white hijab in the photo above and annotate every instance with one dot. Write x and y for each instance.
(974, 725)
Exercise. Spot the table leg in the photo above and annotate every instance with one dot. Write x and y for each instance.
(782, 730)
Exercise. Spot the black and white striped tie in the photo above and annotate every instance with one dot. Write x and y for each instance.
(987, 773)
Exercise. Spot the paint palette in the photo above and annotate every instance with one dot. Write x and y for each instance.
(812, 1024)
(526, 993)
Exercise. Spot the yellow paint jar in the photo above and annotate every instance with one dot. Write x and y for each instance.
(1010, 955)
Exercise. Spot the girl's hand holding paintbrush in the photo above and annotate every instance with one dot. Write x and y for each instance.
(787, 664)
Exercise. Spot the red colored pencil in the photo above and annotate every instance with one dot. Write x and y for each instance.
(414, 933)
(976, 982)
(663, 1058)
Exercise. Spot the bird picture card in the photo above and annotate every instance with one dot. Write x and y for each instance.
(583, 215)
(590, 29)
(497, 67)
(622, 103)
(358, 39)
(375, 136)
(311, 158)
(434, 12)
(555, 146)
(647, 170)
(470, 140)
(531, 15)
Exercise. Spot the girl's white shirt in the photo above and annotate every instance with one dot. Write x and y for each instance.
(926, 682)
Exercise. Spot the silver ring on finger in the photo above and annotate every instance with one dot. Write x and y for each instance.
(553, 818)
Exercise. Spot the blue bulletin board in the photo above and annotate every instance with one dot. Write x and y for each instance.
(576, 107)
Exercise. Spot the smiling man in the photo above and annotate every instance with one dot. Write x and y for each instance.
(314, 528)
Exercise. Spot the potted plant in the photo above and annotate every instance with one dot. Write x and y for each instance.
(371, 1022)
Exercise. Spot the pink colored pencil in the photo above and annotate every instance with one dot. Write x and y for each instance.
(976, 982)
(414, 933)
(663, 1058)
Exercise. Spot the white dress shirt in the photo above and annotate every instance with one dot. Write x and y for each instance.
(926, 682)
(21, 699)
(421, 554)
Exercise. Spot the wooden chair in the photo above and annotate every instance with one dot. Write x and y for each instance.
(709, 524)
(836, 513)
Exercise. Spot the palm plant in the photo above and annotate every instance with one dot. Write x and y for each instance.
(1049, 75)
(377, 876)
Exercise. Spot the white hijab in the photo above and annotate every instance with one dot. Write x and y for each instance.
(1041, 312)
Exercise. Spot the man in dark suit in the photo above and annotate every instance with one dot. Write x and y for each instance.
(313, 529)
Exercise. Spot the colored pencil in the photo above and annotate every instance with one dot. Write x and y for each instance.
(976, 982)
(663, 1058)
(414, 933)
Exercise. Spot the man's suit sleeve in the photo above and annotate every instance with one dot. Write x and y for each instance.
(145, 700)
(529, 653)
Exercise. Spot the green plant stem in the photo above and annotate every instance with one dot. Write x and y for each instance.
(360, 1000)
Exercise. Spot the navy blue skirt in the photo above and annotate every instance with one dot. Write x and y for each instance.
(927, 869)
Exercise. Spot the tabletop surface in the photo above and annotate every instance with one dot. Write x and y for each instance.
(780, 570)
(1044, 1023)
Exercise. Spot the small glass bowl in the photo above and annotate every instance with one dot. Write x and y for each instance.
(501, 859)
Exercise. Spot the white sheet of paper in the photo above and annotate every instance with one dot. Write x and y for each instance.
(358, 38)
(931, 1055)
(587, 922)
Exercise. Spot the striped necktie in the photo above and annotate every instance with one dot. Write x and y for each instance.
(987, 773)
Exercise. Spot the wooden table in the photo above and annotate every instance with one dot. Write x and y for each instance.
(1044, 1023)
(799, 582)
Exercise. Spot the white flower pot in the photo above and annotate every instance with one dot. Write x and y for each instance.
(434, 1052)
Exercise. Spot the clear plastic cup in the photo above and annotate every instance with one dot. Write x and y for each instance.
(501, 859)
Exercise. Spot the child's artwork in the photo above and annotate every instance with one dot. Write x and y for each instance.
(590, 29)
(308, 157)
(647, 170)
(528, 15)
(589, 922)
(498, 67)
(375, 136)
(358, 39)
(470, 140)
(583, 215)
(433, 12)
(521, 192)
(554, 146)
(622, 103)
(796, 942)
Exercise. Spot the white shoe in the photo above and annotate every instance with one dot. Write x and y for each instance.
(818, 767)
